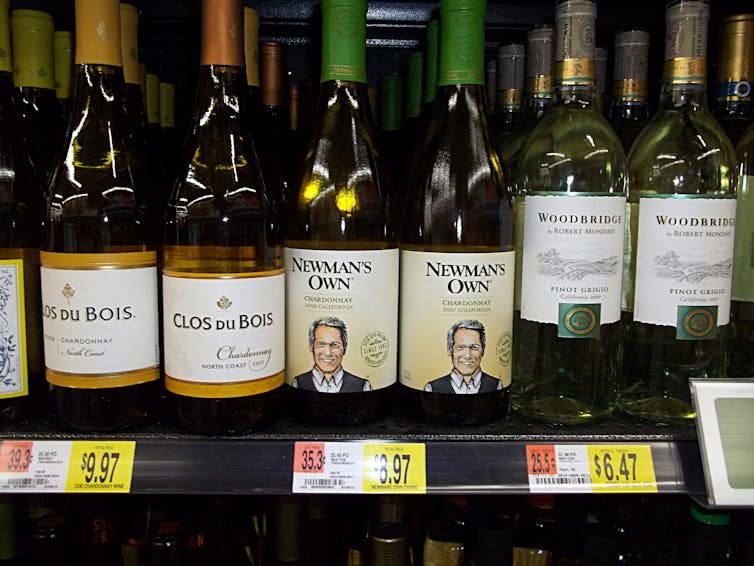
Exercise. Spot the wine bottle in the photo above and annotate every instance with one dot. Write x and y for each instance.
(600, 77)
(391, 114)
(222, 276)
(341, 259)
(63, 70)
(490, 85)
(129, 41)
(708, 537)
(21, 368)
(152, 107)
(388, 545)
(741, 363)
(510, 87)
(287, 532)
(734, 104)
(34, 78)
(99, 273)
(456, 250)
(251, 56)
(10, 533)
(445, 543)
(571, 183)
(95, 524)
(169, 133)
(629, 110)
(537, 96)
(677, 290)
(413, 102)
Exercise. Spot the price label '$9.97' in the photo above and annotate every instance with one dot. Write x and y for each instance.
(100, 466)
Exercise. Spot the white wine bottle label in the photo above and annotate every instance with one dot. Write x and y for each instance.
(743, 264)
(573, 262)
(342, 319)
(224, 333)
(13, 370)
(684, 260)
(456, 321)
(99, 317)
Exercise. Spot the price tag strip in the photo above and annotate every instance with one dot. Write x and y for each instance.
(579, 468)
(353, 467)
(66, 466)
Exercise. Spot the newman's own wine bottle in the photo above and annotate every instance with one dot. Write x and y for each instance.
(341, 259)
(223, 297)
(677, 290)
(457, 254)
(99, 276)
(21, 367)
(571, 179)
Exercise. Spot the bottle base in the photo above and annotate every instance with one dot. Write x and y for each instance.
(659, 410)
(232, 415)
(340, 408)
(561, 410)
(105, 410)
(452, 409)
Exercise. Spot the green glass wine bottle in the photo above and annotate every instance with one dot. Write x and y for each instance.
(341, 259)
(99, 269)
(223, 296)
(510, 89)
(457, 245)
(570, 207)
(677, 289)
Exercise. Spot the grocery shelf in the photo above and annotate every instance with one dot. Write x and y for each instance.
(479, 459)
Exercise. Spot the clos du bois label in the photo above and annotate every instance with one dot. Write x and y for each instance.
(223, 330)
(456, 321)
(573, 262)
(684, 259)
(99, 314)
(13, 370)
(342, 319)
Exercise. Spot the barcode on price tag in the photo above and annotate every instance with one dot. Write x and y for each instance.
(557, 468)
(327, 467)
(33, 466)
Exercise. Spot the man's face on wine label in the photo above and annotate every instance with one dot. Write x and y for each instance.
(328, 349)
(467, 351)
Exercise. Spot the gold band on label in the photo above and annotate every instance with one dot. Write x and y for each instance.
(540, 86)
(345, 72)
(123, 260)
(510, 97)
(685, 70)
(202, 259)
(223, 275)
(575, 72)
(630, 89)
(460, 77)
(224, 390)
(101, 380)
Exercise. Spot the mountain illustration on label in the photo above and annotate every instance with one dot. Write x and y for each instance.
(550, 264)
(671, 266)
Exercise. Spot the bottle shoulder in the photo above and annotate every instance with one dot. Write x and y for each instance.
(683, 151)
(573, 149)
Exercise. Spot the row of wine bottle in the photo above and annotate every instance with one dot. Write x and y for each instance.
(582, 283)
(535, 530)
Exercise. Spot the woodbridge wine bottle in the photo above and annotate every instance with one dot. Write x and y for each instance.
(510, 87)
(571, 199)
(34, 78)
(677, 290)
(99, 274)
(21, 366)
(629, 110)
(223, 297)
(457, 254)
(341, 259)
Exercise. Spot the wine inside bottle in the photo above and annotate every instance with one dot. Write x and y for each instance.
(456, 247)
(99, 273)
(341, 259)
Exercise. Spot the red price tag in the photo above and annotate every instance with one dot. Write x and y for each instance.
(541, 460)
(15, 456)
(309, 458)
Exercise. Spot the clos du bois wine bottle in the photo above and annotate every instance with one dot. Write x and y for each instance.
(629, 110)
(741, 362)
(571, 179)
(99, 274)
(21, 367)
(34, 77)
(223, 297)
(734, 105)
(129, 39)
(677, 290)
(457, 254)
(341, 259)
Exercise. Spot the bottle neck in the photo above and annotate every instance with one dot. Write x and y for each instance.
(221, 91)
(102, 85)
(575, 96)
(535, 107)
(683, 96)
(334, 95)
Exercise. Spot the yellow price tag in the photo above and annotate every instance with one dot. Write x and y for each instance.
(395, 468)
(622, 468)
(100, 466)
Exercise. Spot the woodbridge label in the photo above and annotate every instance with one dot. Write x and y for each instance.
(101, 317)
(456, 321)
(223, 329)
(341, 319)
(684, 260)
(13, 370)
(743, 263)
(573, 262)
